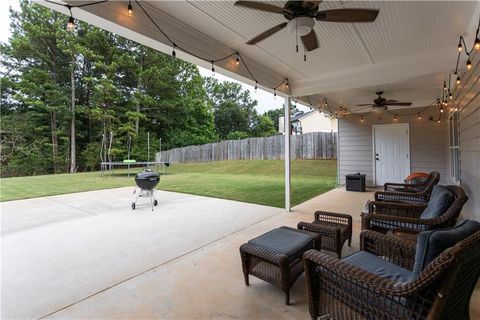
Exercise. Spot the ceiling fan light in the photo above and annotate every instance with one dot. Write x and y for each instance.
(300, 26)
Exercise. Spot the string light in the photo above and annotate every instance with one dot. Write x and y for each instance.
(458, 80)
(256, 85)
(395, 117)
(419, 116)
(130, 9)
(71, 21)
(213, 69)
(444, 86)
(477, 43)
(71, 24)
(174, 54)
(286, 83)
(469, 65)
(237, 61)
(441, 109)
(450, 95)
(460, 45)
(361, 118)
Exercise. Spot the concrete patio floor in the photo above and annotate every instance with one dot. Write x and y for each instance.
(88, 255)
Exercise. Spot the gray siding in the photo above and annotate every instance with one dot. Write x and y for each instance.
(467, 100)
(428, 142)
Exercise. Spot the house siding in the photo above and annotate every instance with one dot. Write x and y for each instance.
(467, 100)
(428, 142)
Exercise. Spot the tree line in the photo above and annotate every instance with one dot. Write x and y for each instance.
(61, 91)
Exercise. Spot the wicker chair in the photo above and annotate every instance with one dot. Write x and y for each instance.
(335, 229)
(442, 290)
(384, 216)
(409, 193)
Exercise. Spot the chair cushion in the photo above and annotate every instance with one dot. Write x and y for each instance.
(432, 243)
(440, 200)
(374, 264)
(287, 242)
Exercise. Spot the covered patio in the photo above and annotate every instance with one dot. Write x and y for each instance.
(86, 255)
(183, 264)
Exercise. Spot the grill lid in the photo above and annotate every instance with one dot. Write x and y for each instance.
(147, 176)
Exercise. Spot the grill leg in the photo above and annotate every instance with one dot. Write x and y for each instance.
(151, 198)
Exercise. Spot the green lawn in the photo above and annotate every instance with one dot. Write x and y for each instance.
(258, 182)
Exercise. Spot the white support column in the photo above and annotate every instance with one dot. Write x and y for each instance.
(287, 153)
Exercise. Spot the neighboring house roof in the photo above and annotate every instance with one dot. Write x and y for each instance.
(301, 116)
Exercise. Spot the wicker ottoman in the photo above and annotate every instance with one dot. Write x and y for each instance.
(277, 256)
(334, 228)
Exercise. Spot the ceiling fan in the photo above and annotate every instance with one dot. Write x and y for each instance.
(382, 104)
(302, 16)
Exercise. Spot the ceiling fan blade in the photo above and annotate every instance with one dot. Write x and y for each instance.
(390, 101)
(310, 41)
(348, 15)
(400, 104)
(260, 6)
(267, 33)
(365, 105)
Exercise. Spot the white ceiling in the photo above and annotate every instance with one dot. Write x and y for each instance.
(407, 52)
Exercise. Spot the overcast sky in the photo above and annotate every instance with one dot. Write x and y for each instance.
(266, 100)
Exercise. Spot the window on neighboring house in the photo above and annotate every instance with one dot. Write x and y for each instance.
(454, 149)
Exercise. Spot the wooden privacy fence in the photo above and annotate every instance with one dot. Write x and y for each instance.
(312, 145)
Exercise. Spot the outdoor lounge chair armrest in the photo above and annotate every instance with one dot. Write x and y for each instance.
(263, 254)
(391, 248)
(397, 186)
(396, 208)
(399, 222)
(400, 196)
(333, 217)
(319, 229)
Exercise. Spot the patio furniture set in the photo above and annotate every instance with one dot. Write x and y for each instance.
(416, 261)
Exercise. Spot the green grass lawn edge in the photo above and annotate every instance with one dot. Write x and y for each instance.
(251, 181)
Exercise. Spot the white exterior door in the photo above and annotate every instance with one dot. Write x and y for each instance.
(391, 152)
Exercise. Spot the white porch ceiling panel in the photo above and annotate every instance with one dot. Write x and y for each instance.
(406, 52)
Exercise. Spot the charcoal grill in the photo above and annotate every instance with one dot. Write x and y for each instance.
(146, 181)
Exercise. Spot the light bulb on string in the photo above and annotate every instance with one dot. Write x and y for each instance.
(458, 80)
(460, 45)
(469, 65)
(361, 118)
(174, 54)
(444, 86)
(419, 116)
(286, 83)
(256, 86)
(477, 43)
(213, 69)
(71, 24)
(274, 93)
(395, 117)
(237, 61)
(71, 20)
(450, 95)
(441, 109)
(130, 9)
